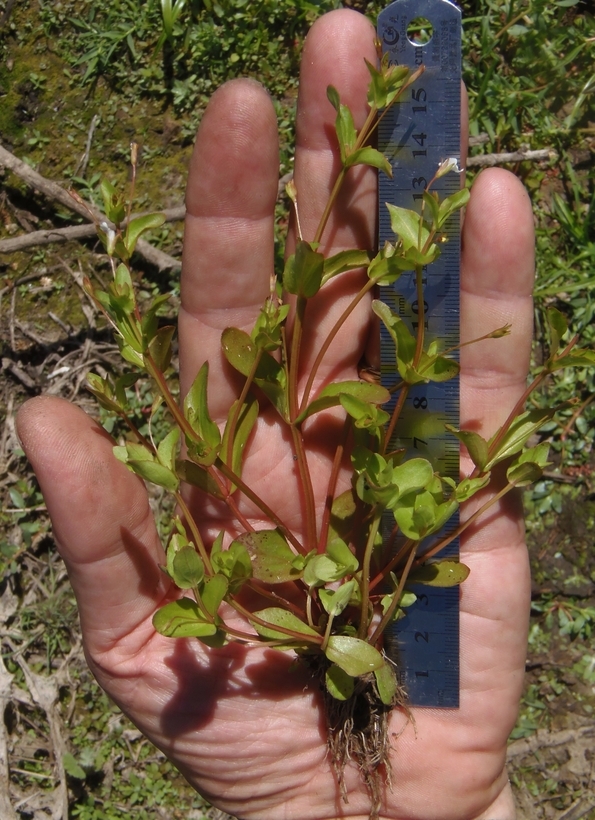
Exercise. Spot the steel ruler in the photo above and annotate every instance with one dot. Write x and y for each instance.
(422, 130)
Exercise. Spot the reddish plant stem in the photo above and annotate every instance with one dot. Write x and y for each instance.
(332, 486)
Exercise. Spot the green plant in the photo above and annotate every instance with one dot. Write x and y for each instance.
(332, 586)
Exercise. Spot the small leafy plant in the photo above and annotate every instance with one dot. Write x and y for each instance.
(332, 586)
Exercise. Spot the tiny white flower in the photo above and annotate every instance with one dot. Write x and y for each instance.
(448, 165)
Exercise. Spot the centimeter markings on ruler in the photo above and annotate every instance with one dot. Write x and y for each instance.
(419, 132)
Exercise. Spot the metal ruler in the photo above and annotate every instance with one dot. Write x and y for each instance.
(419, 132)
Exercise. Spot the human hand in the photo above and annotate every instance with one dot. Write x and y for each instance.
(245, 729)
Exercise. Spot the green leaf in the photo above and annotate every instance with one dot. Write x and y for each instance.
(72, 768)
(369, 156)
(529, 466)
(519, 433)
(354, 656)
(112, 202)
(477, 446)
(437, 368)
(213, 593)
(452, 203)
(155, 473)
(445, 573)
(469, 486)
(385, 84)
(241, 352)
(234, 563)
(303, 271)
(330, 396)
(188, 569)
(405, 342)
(386, 683)
(431, 201)
(196, 411)
(333, 97)
(339, 684)
(408, 226)
(346, 132)
(344, 261)
(167, 449)
(245, 425)
(577, 357)
(415, 474)
(342, 515)
(182, 619)
(277, 617)
(321, 569)
(272, 559)
(160, 347)
(136, 227)
(338, 550)
(335, 601)
(197, 476)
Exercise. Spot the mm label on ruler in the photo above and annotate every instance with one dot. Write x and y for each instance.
(416, 135)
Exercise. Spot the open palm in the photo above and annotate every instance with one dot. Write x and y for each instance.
(245, 725)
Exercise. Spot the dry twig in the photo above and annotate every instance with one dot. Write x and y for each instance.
(53, 191)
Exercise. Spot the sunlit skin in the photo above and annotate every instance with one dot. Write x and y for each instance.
(242, 724)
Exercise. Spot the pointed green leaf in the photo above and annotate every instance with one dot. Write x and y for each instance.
(246, 421)
(408, 226)
(338, 683)
(405, 342)
(529, 466)
(519, 433)
(272, 559)
(196, 410)
(354, 656)
(330, 396)
(166, 451)
(182, 619)
(346, 132)
(136, 227)
(452, 203)
(286, 623)
(431, 202)
(477, 446)
(576, 358)
(160, 347)
(333, 97)
(469, 486)
(155, 473)
(344, 261)
(557, 326)
(369, 156)
(198, 476)
(447, 573)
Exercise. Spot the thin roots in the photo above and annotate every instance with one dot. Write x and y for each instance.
(358, 731)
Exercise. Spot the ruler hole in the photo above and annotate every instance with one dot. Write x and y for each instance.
(420, 31)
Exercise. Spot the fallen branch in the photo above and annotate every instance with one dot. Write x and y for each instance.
(73, 232)
(489, 160)
(52, 190)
